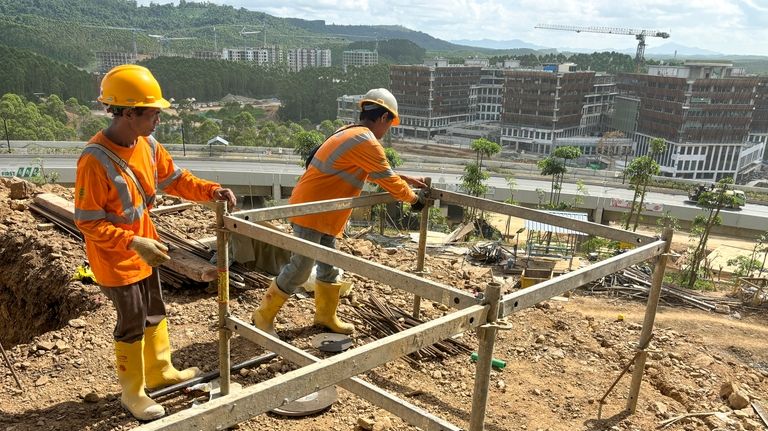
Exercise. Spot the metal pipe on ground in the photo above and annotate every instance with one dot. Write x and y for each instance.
(211, 375)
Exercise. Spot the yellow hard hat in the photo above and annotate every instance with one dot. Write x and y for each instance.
(131, 86)
(383, 98)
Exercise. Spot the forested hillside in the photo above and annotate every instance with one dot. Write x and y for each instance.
(26, 73)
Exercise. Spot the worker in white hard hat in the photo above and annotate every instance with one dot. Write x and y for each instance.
(338, 169)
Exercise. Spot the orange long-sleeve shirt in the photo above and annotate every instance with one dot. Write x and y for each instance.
(110, 211)
(339, 169)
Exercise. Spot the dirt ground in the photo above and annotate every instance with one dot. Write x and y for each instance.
(561, 356)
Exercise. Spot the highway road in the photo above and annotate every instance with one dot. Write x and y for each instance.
(270, 174)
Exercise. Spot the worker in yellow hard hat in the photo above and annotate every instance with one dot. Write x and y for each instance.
(118, 175)
(338, 169)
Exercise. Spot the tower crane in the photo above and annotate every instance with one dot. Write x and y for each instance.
(640, 35)
(163, 39)
(131, 29)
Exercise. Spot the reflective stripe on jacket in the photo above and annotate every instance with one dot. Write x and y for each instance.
(110, 210)
(339, 169)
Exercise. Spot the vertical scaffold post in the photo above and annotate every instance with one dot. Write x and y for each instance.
(650, 316)
(222, 264)
(487, 337)
(422, 248)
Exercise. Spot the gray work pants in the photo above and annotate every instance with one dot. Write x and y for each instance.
(297, 271)
(139, 305)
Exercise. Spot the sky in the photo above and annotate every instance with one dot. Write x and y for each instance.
(725, 26)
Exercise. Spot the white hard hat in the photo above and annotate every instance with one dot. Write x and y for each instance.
(383, 98)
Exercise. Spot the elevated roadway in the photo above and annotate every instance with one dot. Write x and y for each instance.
(269, 176)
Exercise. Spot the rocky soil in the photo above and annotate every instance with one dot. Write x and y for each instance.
(561, 356)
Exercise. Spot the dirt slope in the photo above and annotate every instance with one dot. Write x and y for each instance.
(561, 356)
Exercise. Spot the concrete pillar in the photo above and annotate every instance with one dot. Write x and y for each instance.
(598, 214)
(276, 193)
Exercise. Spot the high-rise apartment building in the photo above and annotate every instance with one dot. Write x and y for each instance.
(431, 98)
(703, 111)
(265, 56)
(302, 58)
(360, 57)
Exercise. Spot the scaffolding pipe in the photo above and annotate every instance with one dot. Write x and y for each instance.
(487, 337)
(650, 316)
(422, 248)
(222, 265)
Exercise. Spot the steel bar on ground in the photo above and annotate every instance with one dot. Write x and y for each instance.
(650, 316)
(207, 377)
(487, 338)
(531, 296)
(10, 367)
(222, 265)
(431, 290)
(238, 407)
(422, 251)
(411, 413)
(284, 211)
(541, 216)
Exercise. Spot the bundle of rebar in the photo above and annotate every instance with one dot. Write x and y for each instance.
(634, 282)
(380, 320)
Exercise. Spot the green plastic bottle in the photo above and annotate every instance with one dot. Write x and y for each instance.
(496, 363)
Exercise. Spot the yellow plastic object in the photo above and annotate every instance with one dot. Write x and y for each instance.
(159, 371)
(84, 274)
(131, 86)
(383, 98)
(620, 318)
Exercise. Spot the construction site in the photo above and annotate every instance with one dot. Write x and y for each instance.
(453, 331)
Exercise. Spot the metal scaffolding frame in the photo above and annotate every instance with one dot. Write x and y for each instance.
(471, 312)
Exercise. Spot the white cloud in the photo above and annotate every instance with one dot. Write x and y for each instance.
(728, 26)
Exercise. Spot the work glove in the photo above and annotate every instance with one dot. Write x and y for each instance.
(149, 250)
(421, 200)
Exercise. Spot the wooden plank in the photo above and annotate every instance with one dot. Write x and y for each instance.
(543, 217)
(182, 261)
(531, 296)
(413, 414)
(238, 407)
(434, 291)
(285, 211)
(172, 208)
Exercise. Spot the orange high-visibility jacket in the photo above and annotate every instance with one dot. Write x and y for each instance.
(110, 211)
(339, 169)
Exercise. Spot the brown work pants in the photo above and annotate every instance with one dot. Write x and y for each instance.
(138, 306)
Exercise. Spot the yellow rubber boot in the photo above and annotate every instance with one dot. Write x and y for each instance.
(264, 316)
(130, 373)
(326, 303)
(158, 368)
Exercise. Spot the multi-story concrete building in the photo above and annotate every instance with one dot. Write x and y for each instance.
(207, 55)
(302, 58)
(486, 97)
(108, 60)
(348, 109)
(597, 104)
(431, 98)
(360, 57)
(703, 111)
(541, 107)
(758, 130)
(266, 56)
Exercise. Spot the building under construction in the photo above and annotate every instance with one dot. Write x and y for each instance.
(542, 106)
(704, 113)
(431, 97)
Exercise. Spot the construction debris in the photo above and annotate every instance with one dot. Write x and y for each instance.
(635, 282)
